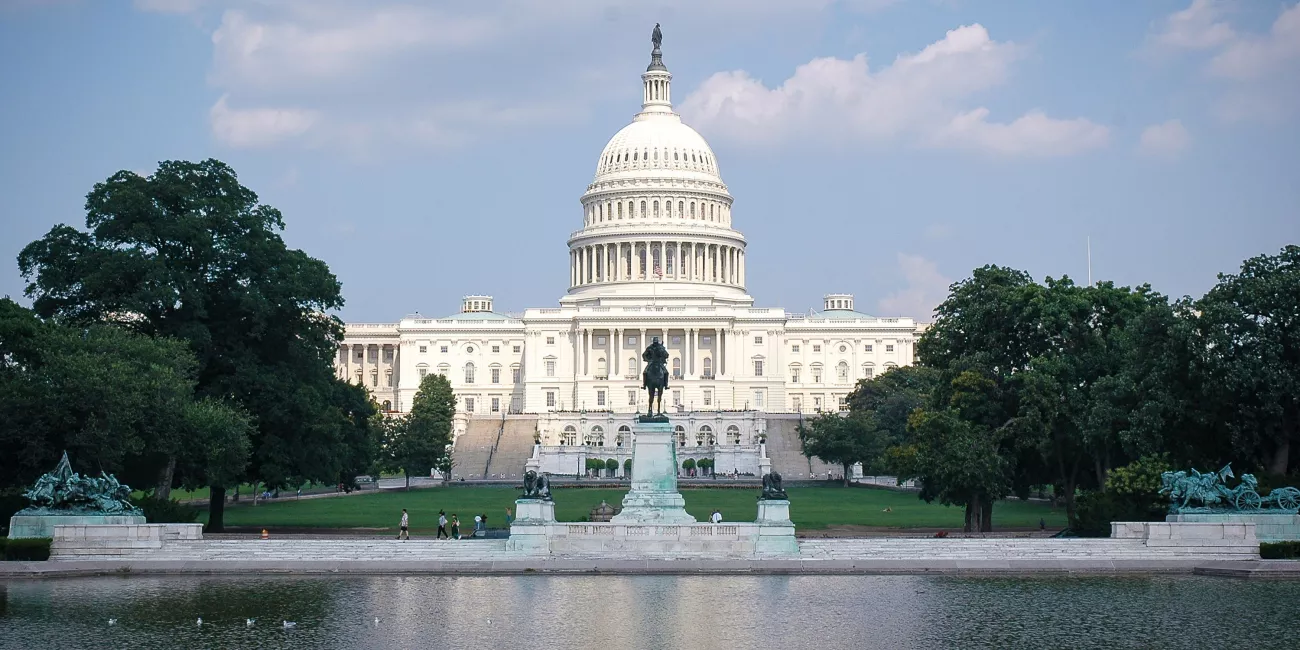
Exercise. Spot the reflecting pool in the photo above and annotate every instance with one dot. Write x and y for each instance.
(780, 612)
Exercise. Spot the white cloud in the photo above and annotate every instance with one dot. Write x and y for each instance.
(926, 288)
(1259, 72)
(257, 127)
(918, 95)
(1168, 139)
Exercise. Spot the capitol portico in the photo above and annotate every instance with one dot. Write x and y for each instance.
(657, 256)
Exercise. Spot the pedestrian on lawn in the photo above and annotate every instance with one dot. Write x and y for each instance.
(509, 517)
(442, 525)
(455, 526)
(405, 529)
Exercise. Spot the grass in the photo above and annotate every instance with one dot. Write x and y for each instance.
(811, 508)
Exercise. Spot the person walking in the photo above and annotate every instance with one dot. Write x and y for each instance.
(442, 525)
(405, 529)
(455, 526)
(509, 517)
(485, 527)
(478, 526)
(716, 517)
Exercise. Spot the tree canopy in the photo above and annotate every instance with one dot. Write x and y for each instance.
(421, 440)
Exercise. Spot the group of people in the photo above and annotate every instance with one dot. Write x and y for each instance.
(480, 525)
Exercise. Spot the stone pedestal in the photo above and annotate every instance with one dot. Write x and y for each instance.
(654, 498)
(43, 525)
(774, 512)
(1269, 526)
(775, 530)
(531, 528)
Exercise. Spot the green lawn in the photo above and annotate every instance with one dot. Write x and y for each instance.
(811, 508)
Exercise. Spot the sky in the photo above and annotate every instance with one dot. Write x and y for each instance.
(886, 148)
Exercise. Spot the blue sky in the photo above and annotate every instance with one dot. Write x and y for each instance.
(886, 148)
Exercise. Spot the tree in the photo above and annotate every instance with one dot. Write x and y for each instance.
(891, 397)
(425, 435)
(957, 463)
(1250, 322)
(189, 253)
(843, 439)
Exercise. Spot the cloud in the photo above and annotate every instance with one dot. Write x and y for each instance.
(1258, 73)
(917, 96)
(257, 127)
(926, 288)
(1168, 139)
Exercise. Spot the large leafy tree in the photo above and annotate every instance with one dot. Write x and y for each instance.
(421, 441)
(891, 397)
(844, 439)
(1250, 322)
(189, 253)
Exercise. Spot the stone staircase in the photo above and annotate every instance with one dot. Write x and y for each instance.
(786, 452)
(494, 448)
(1018, 548)
(513, 448)
(470, 454)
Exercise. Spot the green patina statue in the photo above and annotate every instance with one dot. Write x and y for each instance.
(64, 492)
(655, 379)
(1195, 492)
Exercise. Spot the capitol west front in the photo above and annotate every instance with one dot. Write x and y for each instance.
(657, 256)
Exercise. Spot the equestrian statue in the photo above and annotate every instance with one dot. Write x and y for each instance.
(655, 378)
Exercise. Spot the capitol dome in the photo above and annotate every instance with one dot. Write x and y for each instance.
(657, 216)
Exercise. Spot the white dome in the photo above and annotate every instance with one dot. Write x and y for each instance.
(657, 142)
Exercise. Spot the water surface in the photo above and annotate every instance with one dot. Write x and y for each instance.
(705, 612)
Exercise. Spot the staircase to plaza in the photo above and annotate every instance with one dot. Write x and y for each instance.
(786, 452)
(493, 448)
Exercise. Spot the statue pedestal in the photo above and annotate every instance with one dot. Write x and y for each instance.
(774, 512)
(531, 528)
(21, 526)
(654, 497)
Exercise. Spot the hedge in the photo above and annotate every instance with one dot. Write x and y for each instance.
(1288, 550)
(26, 548)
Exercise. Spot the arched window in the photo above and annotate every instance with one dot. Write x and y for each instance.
(817, 373)
(631, 210)
(674, 155)
(868, 370)
(681, 209)
(692, 209)
(602, 367)
(668, 212)
(570, 436)
(842, 371)
(631, 366)
(794, 373)
(444, 369)
(595, 437)
(733, 434)
(620, 210)
(708, 367)
(469, 372)
(422, 370)
(656, 209)
(710, 212)
(681, 432)
(705, 435)
(388, 406)
(677, 367)
(624, 435)
(643, 209)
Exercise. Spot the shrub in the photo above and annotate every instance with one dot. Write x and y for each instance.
(1288, 550)
(11, 501)
(688, 464)
(35, 549)
(611, 464)
(1132, 494)
(627, 466)
(163, 511)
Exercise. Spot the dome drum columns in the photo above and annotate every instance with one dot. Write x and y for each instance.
(674, 261)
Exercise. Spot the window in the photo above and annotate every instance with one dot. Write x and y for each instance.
(758, 368)
(550, 340)
(423, 349)
(842, 371)
(469, 373)
(677, 398)
(631, 340)
(677, 340)
(708, 367)
(516, 349)
(758, 399)
(843, 402)
(868, 347)
(422, 371)
(469, 404)
(795, 348)
(374, 378)
(706, 340)
(388, 379)
(388, 354)
(550, 399)
(817, 373)
(570, 436)
(600, 398)
(733, 434)
(708, 397)
(516, 374)
(868, 371)
(794, 374)
(469, 349)
(624, 435)
(443, 349)
(496, 375)
(797, 403)
(600, 340)
(817, 403)
(496, 404)
(817, 348)
(758, 340)
(388, 406)
(680, 431)
(844, 348)
(631, 367)
(359, 355)
(496, 349)
(677, 367)
(595, 437)
(631, 398)
(705, 435)
(550, 367)
(889, 348)
(444, 369)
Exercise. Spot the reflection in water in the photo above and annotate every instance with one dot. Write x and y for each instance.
(821, 612)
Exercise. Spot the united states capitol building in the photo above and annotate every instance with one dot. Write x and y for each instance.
(658, 255)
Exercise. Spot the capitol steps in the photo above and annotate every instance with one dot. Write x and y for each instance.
(786, 451)
(470, 454)
(514, 448)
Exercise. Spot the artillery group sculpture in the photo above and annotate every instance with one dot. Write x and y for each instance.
(1197, 492)
(64, 492)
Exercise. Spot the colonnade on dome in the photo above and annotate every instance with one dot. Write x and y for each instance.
(674, 260)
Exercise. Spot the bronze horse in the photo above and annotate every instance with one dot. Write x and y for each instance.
(655, 377)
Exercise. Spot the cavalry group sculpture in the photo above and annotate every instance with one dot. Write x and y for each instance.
(1197, 492)
(64, 492)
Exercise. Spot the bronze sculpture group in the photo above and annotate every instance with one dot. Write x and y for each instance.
(63, 491)
(1196, 492)
(655, 379)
